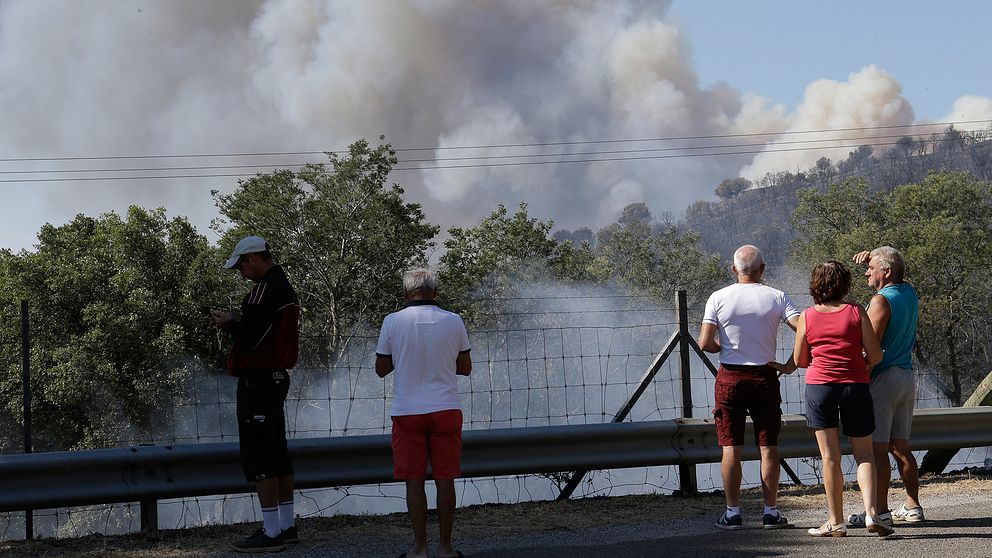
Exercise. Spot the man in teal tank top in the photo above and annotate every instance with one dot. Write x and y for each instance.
(893, 312)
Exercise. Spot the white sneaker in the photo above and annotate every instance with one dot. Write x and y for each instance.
(911, 515)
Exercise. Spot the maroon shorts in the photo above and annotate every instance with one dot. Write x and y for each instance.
(436, 437)
(743, 391)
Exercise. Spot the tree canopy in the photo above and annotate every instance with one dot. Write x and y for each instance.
(943, 227)
(115, 324)
(342, 234)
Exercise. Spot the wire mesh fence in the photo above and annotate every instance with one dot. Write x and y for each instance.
(549, 368)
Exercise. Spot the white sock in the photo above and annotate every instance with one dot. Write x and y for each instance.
(270, 522)
(733, 510)
(286, 519)
(771, 510)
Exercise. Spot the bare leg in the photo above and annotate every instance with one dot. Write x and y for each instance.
(268, 492)
(833, 480)
(883, 475)
(416, 505)
(445, 515)
(730, 469)
(865, 456)
(908, 470)
(286, 488)
(770, 471)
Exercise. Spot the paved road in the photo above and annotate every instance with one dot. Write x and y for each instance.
(959, 525)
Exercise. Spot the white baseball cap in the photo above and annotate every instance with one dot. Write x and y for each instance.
(247, 245)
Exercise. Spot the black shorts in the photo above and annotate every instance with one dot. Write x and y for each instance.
(743, 391)
(262, 424)
(851, 403)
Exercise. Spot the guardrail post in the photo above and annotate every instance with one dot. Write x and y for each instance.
(687, 471)
(149, 515)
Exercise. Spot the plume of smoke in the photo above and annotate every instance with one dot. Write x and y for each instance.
(970, 107)
(869, 97)
(228, 76)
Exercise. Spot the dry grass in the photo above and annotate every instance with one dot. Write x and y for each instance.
(473, 521)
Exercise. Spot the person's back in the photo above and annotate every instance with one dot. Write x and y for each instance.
(741, 323)
(748, 316)
(835, 345)
(428, 348)
(426, 340)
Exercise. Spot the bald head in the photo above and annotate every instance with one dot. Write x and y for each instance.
(748, 262)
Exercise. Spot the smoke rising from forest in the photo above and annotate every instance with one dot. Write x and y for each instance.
(144, 77)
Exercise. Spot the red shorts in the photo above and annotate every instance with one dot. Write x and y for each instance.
(743, 391)
(434, 436)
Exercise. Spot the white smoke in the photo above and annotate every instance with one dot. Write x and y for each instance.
(870, 97)
(90, 78)
(970, 108)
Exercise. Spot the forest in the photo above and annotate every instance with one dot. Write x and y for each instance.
(117, 322)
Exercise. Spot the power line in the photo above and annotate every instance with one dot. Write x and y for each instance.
(288, 165)
(496, 146)
(441, 167)
(474, 165)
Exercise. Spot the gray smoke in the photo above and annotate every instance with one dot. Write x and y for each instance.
(88, 78)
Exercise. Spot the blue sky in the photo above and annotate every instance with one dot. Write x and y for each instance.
(938, 51)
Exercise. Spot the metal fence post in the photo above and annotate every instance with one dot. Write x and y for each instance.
(687, 471)
(149, 515)
(26, 383)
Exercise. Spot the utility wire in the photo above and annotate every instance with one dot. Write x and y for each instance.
(288, 165)
(439, 167)
(499, 146)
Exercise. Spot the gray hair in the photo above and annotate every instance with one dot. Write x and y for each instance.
(891, 259)
(748, 260)
(419, 280)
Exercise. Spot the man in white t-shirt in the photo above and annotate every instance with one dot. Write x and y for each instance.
(428, 348)
(741, 323)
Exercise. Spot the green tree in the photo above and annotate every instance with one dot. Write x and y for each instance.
(116, 329)
(343, 236)
(943, 227)
(482, 264)
(659, 262)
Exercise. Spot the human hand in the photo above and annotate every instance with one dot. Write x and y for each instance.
(782, 368)
(220, 318)
(862, 258)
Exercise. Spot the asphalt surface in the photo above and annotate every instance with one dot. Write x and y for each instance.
(958, 525)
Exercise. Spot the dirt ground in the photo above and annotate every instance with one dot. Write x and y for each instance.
(473, 522)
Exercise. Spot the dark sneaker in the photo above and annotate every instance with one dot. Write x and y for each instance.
(730, 522)
(769, 521)
(259, 542)
(290, 536)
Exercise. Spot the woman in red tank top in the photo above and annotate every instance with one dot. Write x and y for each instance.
(837, 346)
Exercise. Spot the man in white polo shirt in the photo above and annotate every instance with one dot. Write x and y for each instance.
(741, 323)
(428, 348)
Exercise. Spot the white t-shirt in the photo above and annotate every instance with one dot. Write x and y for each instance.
(747, 316)
(423, 341)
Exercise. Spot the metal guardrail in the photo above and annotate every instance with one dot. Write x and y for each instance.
(149, 473)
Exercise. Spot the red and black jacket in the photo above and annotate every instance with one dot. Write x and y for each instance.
(268, 334)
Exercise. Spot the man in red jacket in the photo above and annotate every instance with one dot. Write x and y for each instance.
(265, 344)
